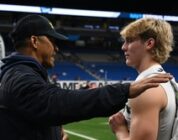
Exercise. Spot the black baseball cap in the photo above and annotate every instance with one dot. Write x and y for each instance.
(34, 25)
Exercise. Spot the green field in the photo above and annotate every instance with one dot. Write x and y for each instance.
(94, 129)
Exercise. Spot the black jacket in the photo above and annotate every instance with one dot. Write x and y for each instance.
(31, 107)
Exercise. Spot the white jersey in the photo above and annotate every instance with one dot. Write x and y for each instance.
(168, 114)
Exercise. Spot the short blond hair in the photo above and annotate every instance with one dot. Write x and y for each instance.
(158, 29)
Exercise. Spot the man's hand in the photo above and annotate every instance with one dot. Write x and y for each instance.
(136, 88)
(118, 126)
(117, 122)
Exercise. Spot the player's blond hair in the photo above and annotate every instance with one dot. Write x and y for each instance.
(158, 29)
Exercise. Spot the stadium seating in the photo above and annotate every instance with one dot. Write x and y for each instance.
(103, 68)
(70, 71)
(111, 70)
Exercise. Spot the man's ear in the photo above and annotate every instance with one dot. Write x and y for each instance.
(150, 43)
(34, 41)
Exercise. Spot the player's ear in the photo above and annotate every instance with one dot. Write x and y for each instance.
(150, 43)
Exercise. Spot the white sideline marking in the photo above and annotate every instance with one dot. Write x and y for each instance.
(80, 135)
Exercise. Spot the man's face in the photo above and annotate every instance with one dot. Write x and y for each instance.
(134, 51)
(46, 51)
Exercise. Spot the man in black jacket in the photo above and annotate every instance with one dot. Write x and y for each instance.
(30, 107)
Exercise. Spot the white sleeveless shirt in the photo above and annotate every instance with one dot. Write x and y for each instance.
(167, 115)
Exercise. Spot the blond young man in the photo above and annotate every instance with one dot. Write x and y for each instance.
(147, 44)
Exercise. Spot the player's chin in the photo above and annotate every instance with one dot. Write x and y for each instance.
(128, 63)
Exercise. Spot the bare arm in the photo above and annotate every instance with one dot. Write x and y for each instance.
(140, 86)
(145, 117)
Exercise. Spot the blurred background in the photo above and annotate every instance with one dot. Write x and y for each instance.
(92, 57)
